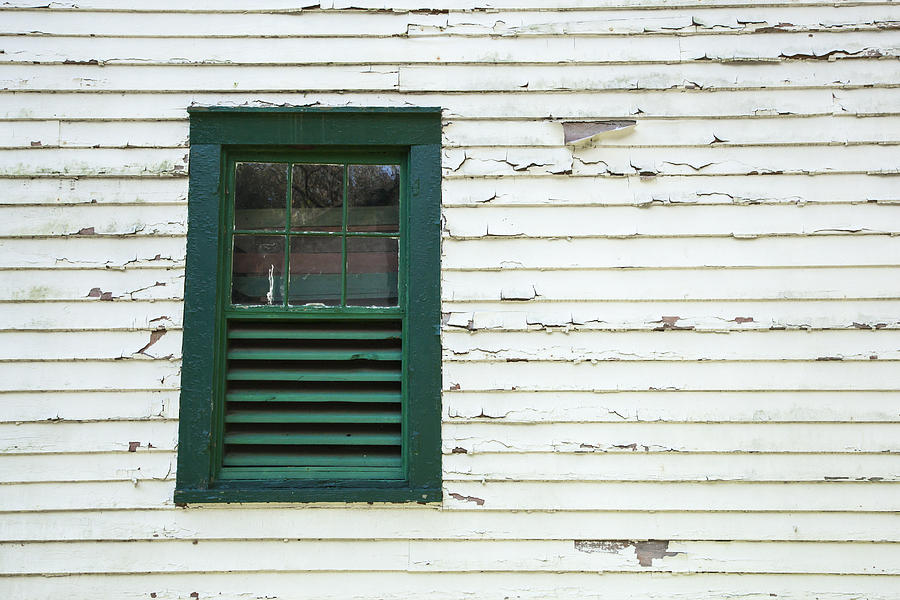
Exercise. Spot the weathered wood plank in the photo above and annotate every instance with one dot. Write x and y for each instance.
(629, 437)
(561, 496)
(612, 21)
(71, 162)
(834, 129)
(604, 221)
(689, 346)
(157, 343)
(677, 375)
(111, 375)
(647, 284)
(653, 315)
(86, 251)
(651, 162)
(561, 190)
(449, 556)
(427, 49)
(95, 190)
(706, 76)
(86, 314)
(704, 497)
(603, 253)
(561, 105)
(411, 522)
(748, 467)
(79, 284)
(449, 586)
(667, 405)
(115, 405)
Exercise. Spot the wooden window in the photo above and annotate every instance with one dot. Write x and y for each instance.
(311, 347)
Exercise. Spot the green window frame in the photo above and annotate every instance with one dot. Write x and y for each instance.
(222, 137)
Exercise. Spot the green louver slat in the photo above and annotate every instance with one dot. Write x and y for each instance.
(290, 354)
(320, 416)
(302, 334)
(247, 459)
(293, 396)
(373, 438)
(348, 374)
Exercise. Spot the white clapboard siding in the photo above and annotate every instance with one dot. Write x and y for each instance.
(658, 437)
(671, 405)
(676, 132)
(670, 351)
(263, 522)
(694, 20)
(635, 284)
(703, 375)
(140, 465)
(74, 162)
(458, 78)
(33, 284)
(600, 253)
(170, 556)
(672, 189)
(117, 405)
(687, 221)
(94, 190)
(707, 496)
(727, 160)
(564, 104)
(88, 375)
(94, 219)
(157, 343)
(599, 345)
(82, 251)
(700, 315)
(101, 436)
(88, 314)
(431, 49)
(449, 586)
(851, 496)
(641, 466)
(48, 134)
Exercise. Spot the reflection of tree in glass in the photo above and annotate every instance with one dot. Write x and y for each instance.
(260, 185)
(317, 186)
(374, 185)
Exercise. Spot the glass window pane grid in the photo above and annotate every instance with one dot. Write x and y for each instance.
(289, 234)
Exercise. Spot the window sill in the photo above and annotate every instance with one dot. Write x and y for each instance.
(310, 491)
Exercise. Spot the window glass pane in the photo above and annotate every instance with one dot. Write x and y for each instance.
(372, 271)
(373, 197)
(260, 193)
(317, 197)
(256, 272)
(315, 271)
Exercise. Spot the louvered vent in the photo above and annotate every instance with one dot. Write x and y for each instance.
(313, 398)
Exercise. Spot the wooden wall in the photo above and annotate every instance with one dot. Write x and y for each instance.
(670, 353)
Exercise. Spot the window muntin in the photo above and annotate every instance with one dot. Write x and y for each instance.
(315, 234)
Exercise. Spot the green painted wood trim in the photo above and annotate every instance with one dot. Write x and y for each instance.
(312, 490)
(423, 343)
(416, 130)
(354, 127)
(199, 343)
